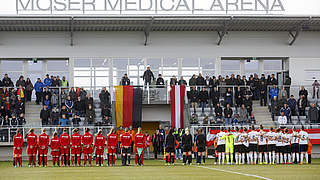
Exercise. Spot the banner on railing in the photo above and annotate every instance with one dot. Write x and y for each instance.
(177, 95)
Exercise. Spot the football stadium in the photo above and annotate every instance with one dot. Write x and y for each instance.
(160, 89)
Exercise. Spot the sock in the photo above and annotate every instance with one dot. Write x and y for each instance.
(15, 161)
(255, 157)
(265, 157)
(223, 155)
(219, 157)
(301, 158)
(242, 159)
(251, 157)
(97, 160)
(307, 158)
(237, 158)
(90, 159)
(273, 156)
(227, 158)
(184, 159)
(269, 157)
(109, 159)
(79, 161)
(172, 159)
(248, 158)
(204, 159)
(293, 157)
(167, 159)
(114, 159)
(129, 159)
(297, 155)
(67, 159)
(20, 161)
(102, 158)
(260, 157)
(289, 158)
(277, 158)
(198, 159)
(72, 160)
(85, 159)
(53, 161)
(281, 158)
(34, 160)
(136, 158)
(231, 154)
(189, 159)
(29, 160)
(141, 158)
(285, 158)
(45, 160)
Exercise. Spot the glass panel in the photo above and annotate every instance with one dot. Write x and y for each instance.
(208, 73)
(82, 62)
(82, 73)
(252, 66)
(120, 64)
(11, 65)
(190, 62)
(57, 65)
(275, 65)
(170, 62)
(230, 65)
(102, 73)
(102, 62)
(207, 63)
(102, 81)
(154, 63)
(225, 73)
(82, 81)
(31, 66)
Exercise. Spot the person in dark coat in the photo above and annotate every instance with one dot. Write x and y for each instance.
(193, 81)
(173, 81)
(125, 81)
(238, 96)
(170, 145)
(215, 95)
(302, 104)
(54, 117)
(104, 97)
(292, 103)
(44, 115)
(228, 98)
(273, 80)
(303, 92)
(200, 81)
(194, 97)
(6, 81)
(263, 93)
(182, 81)
(148, 76)
(313, 114)
(156, 144)
(203, 98)
(218, 112)
(248, 104)
(160, 82)
(228, 115)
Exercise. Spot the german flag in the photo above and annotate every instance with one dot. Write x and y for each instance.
(128, 106)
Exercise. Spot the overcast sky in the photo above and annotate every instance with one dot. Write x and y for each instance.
(292, 7)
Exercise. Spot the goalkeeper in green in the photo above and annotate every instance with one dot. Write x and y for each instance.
(229, 145)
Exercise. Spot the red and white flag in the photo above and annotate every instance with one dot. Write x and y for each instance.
(177, 95)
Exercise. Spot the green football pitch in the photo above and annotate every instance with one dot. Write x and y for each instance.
(157, 170)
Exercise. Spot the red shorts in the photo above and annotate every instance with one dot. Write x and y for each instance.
(87, 150)
(43, 151)
(32, 150)
(112, 150)
(99, 151)
(64, 150)
(76, 150)
(17, 151)
(55, 152)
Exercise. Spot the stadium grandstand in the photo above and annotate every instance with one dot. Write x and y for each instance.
(182, 85)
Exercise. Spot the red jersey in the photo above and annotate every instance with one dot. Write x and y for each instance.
(126, 139)
(55, 143)
(87, 140)
(43, 141)
(99, 141)
(76, 140)
(112, 140)
(65, 140)
(18, 141)
(139, 140)
(32, 140)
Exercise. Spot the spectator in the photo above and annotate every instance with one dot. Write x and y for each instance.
(64, 121)
(203, 98)
(21, 82)
(228, 115)
(21, 92)
(315, 86)
(248, 104)
(263, 93)
(302, 104)
(19, 106)
(64, 82)
(282, 120)
(54, 116)
(194, 119)
(55, 83)
(214, 82)
(173, 80)
(148, 76)
(29, 89)
(88, 101)
(215, 95)
(69, 105)
(82, 95)
(256, 89)
(6, 81)
(292, 103)
(44, 115)
(238, 96)
(218, 112)
(54, 100)
(303, 92)
(287, 112)
(247, 92)
(235, 120)
(38, 88)
(193, 81)
(273, 80)
(59, 81)
(182, 81)
(47, 102)
(5, 122)
(283, 96)
(156, 142)
(21, 120)
(194, 96)
(90, 114)
(105, 112)
(275, 107)
(147, 143)
(63, 97)
(243, 114)
(76, 120)
(47, 81)
(222, 86)
(200, 81)
(13, 121)
(160, 81)
(274, 92)
(287, 83)
(8, 106)
(125, 81)
(229, 97)
(313, 114)
(46, 92)
(104, 97)
(73, 94)
(64, 111)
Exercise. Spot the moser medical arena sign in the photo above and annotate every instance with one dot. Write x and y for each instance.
(158, 7)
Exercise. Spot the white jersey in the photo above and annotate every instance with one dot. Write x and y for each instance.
(236, 138)
(219, 136)
(271, 137)
(295, 137)
(253, 135)
(244, 139)
(279, 139)
(286, 138)
(262, 138)
(303, 137)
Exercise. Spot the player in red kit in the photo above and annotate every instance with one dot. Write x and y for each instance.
(64, 147)
(99, 144)
(32, 147)
(55, 149)
(17, 148)
(43, 148)
(126, 141)
(112, 142)
(76, 147)
(139, 142)
(87, 140)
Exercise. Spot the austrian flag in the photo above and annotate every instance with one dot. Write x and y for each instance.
(177, 95)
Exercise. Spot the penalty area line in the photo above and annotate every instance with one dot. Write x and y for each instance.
(234, 172)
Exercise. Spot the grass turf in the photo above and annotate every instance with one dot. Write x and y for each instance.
(157, 170)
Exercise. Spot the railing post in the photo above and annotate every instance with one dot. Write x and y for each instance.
(9, 138)
(148, 90)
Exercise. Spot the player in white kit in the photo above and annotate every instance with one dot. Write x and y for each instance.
(279, 146)
(295, 146)
(271, 147)
(287, 149)
(262, 137)
(237, 145)
(221, 145)
(253, 145)
(304, 140)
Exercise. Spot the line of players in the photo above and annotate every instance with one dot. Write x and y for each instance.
(250, 146)
(60, 148)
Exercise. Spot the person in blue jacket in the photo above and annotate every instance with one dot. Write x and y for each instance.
(47, 81)
(38, 87)
(274, 92)
(64, 122)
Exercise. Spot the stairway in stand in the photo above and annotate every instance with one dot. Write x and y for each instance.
(262, 114)
(32, 115)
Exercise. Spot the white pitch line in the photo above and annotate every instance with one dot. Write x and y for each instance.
(244, 174)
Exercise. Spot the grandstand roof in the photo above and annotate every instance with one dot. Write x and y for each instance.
(159, 23)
